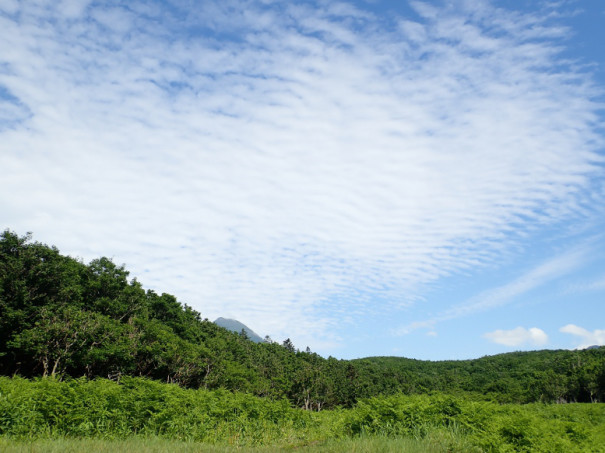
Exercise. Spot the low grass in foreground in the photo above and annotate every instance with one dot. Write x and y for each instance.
(141, 415)
(438, 443)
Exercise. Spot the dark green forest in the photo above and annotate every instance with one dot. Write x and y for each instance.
(64, 318)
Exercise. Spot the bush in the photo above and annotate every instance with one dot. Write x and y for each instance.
(101, 408)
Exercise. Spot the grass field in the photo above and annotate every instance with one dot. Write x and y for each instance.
(433, 444)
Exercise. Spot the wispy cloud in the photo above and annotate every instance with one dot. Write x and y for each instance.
(594, 338)
(518, 336)
(285, 163)
(502, 295)
(597, 284)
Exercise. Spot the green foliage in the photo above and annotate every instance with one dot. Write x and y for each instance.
(147, 444)
(60, 317)
(104, 408)
(437, 443)
(49, 408)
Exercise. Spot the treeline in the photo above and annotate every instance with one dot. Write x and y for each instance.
(560, 376)
(62, 317)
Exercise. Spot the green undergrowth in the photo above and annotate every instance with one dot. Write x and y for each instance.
(102, 415)
(433, 444)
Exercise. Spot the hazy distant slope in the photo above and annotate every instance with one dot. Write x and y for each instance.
(236, 326)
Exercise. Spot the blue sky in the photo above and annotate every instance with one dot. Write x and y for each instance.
(422, 179)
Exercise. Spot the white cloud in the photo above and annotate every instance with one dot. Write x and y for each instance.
(518, 336)
(73, 8)
(594, 338)
(286, 164)
(9, 6)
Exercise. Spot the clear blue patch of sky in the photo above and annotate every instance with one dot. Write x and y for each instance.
(587, 21)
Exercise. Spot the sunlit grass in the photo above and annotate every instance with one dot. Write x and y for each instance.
(437, 443)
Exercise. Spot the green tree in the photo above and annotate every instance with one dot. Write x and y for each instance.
(288, 345)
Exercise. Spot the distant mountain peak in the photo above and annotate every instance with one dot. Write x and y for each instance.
(235, 326)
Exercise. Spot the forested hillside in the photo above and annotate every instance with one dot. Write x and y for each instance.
(62, 317)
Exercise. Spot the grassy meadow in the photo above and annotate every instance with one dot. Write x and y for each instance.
(435, 444)
(45, 415)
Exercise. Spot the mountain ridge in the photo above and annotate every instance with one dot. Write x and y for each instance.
(236, 326)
